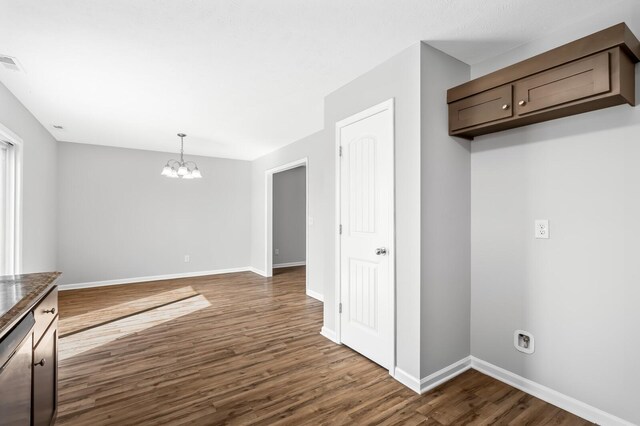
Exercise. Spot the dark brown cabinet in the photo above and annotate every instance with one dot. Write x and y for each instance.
(591, 73)
(45, 377)
(572, 82)
(483, 108)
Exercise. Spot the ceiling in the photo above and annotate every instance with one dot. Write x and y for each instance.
(240, 77)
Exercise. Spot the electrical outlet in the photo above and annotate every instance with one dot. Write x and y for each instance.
(187, 258)
(524, 342)
(542, 229)
(277, 251)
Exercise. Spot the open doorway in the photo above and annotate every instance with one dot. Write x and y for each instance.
(287, 219)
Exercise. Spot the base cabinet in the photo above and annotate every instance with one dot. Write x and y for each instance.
(45, 377)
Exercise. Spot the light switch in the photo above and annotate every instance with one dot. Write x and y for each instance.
(542, 229)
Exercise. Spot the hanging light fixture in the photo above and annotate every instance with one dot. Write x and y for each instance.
(181, 169)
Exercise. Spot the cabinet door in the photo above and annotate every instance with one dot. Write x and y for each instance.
(482, 108)
(574, 81)
(45, 313)
(45, 377)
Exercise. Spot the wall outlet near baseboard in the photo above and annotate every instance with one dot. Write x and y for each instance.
(523, 341)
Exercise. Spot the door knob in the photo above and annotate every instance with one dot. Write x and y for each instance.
(41, 363)
(505, 107)
(522, 103)
(381, 251)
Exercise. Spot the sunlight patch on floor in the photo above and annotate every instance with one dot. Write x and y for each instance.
(95, 337)
(74, 323)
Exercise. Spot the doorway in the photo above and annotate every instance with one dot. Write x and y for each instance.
(365, 252)
(296, 252)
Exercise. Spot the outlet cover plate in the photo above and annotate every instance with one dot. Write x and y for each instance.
(542, 229)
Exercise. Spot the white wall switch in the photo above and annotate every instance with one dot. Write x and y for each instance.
(187, 258)
(277, 251)
(310, 221)
(542, 228)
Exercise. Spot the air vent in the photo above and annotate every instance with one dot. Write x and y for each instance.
(10, 63)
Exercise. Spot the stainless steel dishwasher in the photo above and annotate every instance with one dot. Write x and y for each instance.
(16, 367)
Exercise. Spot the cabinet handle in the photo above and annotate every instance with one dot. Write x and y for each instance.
(41, 363)
(522, 103)
(50, 311)
(505, 107)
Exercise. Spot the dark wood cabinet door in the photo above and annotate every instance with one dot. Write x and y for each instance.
(45, 313)
(482, 108)
(45, 377)
(572, 82)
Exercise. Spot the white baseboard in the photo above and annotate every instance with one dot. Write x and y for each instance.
(315, 295)
(407, 379)
(136, 280)
(444, 375)
(289, 265)
(257, 271)
(329, 334)
(551, 396)
(432, 380)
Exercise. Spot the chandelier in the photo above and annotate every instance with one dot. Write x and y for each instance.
(181, 169)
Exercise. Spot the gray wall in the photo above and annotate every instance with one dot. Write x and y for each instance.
(398, 78)
(578, 291)
(39, 236)
(118, 218)
(289, 215)
(446, 219)
(318, 149)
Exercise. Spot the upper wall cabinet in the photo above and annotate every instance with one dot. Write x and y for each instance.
(594, 72)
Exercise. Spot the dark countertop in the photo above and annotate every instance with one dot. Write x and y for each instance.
(20, 293)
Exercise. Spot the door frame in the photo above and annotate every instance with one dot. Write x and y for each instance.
(269, 215)
(15, 186)
(376, 109)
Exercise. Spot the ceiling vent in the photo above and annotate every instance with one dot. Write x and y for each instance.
(10, 63)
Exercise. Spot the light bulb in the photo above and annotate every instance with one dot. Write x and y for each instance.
(188, 176)
(166, 171)
(182, 170)
(174, 173)
(195, 173)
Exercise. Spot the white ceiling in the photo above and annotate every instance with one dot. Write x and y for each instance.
(240, 77)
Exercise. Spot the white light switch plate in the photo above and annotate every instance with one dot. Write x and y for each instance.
(542, 229)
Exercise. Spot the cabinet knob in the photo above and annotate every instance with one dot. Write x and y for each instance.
(50, 311)
(41, 363)
(505, 107)
(522, 103)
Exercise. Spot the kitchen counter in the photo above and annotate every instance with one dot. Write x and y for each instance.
(20, 293)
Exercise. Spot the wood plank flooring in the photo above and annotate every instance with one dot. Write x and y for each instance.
(241, 349)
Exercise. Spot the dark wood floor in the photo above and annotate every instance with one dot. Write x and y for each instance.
(242, 349)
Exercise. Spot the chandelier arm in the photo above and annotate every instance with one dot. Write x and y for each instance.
(186, 163)
(172, 162)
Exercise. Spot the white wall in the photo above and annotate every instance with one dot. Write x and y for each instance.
(118, 218)
(446, 219)
(397, 78)
(578, 291)
(39, 201)
(319, 151)
(290, 215)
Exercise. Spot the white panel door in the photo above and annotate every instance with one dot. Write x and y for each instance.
(366, 203)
